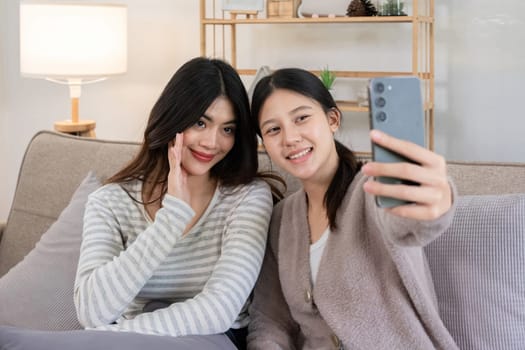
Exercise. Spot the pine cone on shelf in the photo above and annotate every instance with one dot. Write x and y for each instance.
(358, 8)
(370, 8)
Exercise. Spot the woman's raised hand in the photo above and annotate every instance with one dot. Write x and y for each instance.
(177, 177)
(431, 199)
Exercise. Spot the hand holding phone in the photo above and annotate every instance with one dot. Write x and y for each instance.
(396, 108)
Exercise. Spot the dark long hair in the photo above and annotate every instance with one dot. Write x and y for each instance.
(191, 90)
(309, 85)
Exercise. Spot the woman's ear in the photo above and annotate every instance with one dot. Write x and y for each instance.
(334, 119)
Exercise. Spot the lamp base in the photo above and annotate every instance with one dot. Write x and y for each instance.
(84, 128)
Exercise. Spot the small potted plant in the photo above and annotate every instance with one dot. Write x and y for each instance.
(327, 77)
(391, 8)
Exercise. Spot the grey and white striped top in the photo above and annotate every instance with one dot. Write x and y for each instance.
(207, 274)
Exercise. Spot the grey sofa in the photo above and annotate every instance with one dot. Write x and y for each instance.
(55, 164)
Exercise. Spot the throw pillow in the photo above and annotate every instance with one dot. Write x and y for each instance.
(37, 293)
(478, 267)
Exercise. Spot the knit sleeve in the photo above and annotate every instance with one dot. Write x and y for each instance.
(271, 324)
(109, 277)
(217, 306)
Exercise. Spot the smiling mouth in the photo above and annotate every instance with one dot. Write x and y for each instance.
(202, 156)
(300, 154)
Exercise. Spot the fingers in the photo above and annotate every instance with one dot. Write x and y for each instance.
(424, 195)
(175, 151)
(428, 202)
(423, 175)
(177, 177)
(431, 198)
(405, 148)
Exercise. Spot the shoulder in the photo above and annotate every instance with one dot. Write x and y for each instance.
(355, 195)
(256, 189)
(291, 201)
(115, 192)
(257, 185)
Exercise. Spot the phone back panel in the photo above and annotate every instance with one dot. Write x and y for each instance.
(396, 108)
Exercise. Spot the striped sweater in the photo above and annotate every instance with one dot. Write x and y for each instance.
(127, 260)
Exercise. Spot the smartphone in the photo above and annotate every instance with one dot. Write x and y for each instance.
(396, 108)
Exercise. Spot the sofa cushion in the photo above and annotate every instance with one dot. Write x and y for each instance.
(38, 292)
(478, 267)
(13, 338)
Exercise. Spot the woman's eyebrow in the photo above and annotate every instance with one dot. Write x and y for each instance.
(210, 119)
(295, 110)
(267, 122)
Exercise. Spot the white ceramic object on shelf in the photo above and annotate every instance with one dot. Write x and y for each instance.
(362, 96)
(243, 5)
(325, 8)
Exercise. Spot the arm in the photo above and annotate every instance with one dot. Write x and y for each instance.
(217, 306)
(109, 277)
(409, 232)
(271, 324)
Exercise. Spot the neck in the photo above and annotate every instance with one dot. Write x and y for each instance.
(315, 194)
(316, 209)
(201, 185)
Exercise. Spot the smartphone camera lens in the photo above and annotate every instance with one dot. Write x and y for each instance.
(380, 102)
(379, 87)
(381, 116)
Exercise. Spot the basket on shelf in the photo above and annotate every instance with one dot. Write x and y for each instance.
(282, 8)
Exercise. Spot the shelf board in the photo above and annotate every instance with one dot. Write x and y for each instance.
(310, 20)
(349, 74)
(353, 106)
(363, 156)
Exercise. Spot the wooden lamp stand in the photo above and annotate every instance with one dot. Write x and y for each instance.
(85, 128)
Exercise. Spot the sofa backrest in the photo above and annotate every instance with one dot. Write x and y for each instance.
(54, 165)
(470, 178)
(483, 178)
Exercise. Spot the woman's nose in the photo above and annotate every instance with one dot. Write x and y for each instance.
(209, 138)
(291, 135)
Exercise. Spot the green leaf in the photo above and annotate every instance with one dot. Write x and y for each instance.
(327, 77)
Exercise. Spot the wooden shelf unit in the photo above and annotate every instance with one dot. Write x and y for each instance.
(422, 52)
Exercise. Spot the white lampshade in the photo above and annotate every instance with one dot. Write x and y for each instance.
(74, 44)
(72, 40)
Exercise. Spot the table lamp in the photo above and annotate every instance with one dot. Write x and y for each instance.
(73, 44)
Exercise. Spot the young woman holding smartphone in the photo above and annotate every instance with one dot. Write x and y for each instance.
(339, 272)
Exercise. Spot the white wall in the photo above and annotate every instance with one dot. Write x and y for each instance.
(162, 34)
(479, 74)
(5, 189)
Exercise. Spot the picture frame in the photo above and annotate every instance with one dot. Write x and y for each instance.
(242, 5)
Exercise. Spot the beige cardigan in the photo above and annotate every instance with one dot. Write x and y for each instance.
(373, 289)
